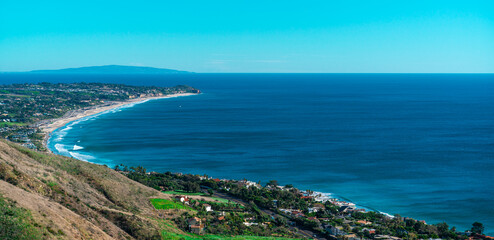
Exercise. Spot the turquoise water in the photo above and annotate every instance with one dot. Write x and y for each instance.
(418, 145)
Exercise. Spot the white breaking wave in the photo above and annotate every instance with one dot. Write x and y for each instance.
(82, 157)
(62, 149)
(62, 133)
(76, 147)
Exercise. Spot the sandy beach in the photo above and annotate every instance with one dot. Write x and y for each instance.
(48, 126)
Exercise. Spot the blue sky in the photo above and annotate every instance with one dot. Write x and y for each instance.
(250, 36)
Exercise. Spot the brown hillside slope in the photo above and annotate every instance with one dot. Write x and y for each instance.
(75, 199)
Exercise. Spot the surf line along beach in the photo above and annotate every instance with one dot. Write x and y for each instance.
(50, 125)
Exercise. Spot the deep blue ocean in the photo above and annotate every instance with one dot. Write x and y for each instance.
(418, 145)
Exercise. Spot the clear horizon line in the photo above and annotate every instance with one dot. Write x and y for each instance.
(190, 72)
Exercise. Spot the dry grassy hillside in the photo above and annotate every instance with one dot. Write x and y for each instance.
(71, 199)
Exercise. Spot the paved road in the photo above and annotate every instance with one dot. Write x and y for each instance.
(303, 232)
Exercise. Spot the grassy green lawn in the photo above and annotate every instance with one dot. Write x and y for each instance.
(10, 124)
(168, 204)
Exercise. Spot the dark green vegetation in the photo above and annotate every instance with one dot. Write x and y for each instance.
(281, 210)
(23, 106)
(477, 228)
(17, 223)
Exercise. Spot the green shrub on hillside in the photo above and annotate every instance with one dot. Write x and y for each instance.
(16, 223)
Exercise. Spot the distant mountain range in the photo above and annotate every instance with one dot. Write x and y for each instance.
(113, 69)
